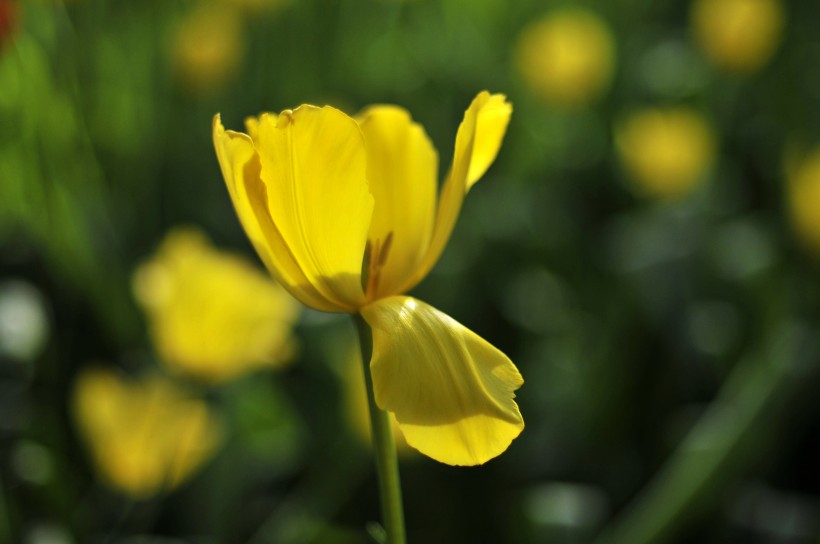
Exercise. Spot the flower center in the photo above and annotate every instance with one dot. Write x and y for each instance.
(375, 256)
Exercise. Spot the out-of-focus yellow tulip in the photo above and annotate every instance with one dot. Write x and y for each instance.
(567, 57)
(666, 152)
(739, 36)
(803, 198)
(345, 213)
(208, 46)
(145, 436)
(212, 314)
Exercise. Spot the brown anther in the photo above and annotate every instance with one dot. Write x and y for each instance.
(385, 250)
(375, 257)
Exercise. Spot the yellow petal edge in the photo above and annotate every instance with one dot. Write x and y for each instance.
(451, 391)
(300, 190)
(241, 171)
(314, 168)
(478, 141)
(402, 166)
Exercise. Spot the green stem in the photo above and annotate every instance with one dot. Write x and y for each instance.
(387, 466)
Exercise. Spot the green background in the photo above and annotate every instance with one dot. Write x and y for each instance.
(670, 350)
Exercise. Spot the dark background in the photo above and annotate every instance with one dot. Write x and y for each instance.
(669, 346)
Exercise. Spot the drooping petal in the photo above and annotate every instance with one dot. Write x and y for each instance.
(402, 166)
(450, 390)
(314, 171)
(241, 168)
(478, 140)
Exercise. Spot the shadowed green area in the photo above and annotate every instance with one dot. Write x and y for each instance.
(668, 343)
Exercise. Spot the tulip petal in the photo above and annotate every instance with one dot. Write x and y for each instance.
(492, 117)
(240, 168)
(450, 390)
(402, 166)
(314, 171)
(234, 151)
(478, 140)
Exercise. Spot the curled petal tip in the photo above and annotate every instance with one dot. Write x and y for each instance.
(285, 119)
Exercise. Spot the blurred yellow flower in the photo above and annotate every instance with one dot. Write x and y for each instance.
(567, 57)
(666, 152)
(212, 314)
(738, 35)
(144, 436)
(207, 46)
(803, 197)
(344, 213)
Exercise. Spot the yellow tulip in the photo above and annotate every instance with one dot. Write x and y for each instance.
(145, 436)
(213, 315)
(738, 35)
(345, 215)
(207, 47)
(567, 57)
(803, 199)
(666, 152)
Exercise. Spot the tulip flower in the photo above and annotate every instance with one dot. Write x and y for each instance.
(803, 197)
(146, 436)
(212, 314)
(207, 47)
(344, 213)
(739, 36)
(567, 57)
(666, 152)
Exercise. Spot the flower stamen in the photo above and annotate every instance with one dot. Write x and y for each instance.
(375, 257)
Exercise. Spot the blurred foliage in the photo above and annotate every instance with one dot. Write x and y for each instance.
(669, 345)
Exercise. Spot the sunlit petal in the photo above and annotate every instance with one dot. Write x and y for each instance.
(477, 143)
(492, 117)
(235, 152)
(252, 126)
(240, 168)
(402, 166)
(313, 167)
(451, 391)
